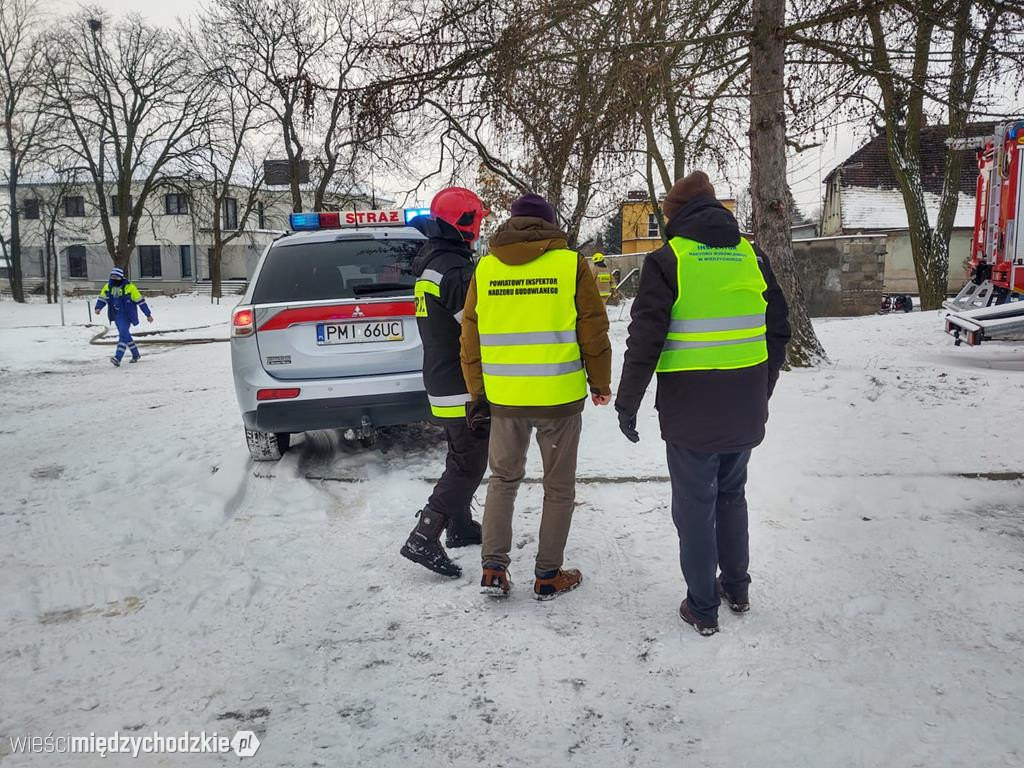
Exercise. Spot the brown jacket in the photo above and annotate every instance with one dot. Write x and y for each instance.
(518, 241)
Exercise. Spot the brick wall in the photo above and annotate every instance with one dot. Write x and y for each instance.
(842, 276)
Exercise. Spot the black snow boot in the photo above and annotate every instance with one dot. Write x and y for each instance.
(462, 534)
(424, 545)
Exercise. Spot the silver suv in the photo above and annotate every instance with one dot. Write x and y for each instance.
(325, 336)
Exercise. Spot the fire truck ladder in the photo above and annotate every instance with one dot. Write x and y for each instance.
(977, 325)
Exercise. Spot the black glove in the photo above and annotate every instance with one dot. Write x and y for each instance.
(478, 416)
(627, 425)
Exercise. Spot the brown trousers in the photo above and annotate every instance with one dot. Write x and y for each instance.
(559, 441)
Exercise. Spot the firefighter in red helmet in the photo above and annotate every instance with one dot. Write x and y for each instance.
(443, 271)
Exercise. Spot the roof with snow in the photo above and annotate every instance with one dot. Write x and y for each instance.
(869, 165)
(865, 208)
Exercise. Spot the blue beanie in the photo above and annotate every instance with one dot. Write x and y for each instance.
(535, 206)
(117, 272)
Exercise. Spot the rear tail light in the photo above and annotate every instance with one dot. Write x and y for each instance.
(277, 394)
(243, 323)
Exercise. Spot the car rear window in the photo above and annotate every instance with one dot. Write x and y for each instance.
(343, 269)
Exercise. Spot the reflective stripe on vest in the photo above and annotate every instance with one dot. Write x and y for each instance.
(427, 283)
(526, 317)
(449, 406)
(718, 318)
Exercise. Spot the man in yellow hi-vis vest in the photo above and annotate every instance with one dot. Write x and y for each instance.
(534, 346)
(603, 275)
(710, 318)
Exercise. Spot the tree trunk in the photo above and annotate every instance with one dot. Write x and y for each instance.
(933, 283)
(122, 255)
(14, 249)
(47, 267)
(768, 187)
(215, 277)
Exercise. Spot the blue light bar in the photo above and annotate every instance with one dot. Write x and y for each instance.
(303, 221)
(412, 213)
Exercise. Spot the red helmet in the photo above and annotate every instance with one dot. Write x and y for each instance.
(461, 208)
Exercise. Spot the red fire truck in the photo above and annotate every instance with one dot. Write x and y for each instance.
(991, 305)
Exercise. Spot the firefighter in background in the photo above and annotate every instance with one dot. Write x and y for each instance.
(603, 275)
(443, 270)
(122, 300)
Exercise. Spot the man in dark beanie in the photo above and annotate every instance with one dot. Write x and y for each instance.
(534, 346)
(711, 319)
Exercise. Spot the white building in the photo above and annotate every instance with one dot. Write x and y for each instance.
(862, 197)
(174, 239)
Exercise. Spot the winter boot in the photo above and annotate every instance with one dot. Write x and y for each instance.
(115, 361)
(550, 585)
(495, 581)
(135, 359)
(737, 601)
(704, 627)
(462, 534)
(424, 545)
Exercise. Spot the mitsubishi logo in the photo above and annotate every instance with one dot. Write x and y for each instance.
(358, 312)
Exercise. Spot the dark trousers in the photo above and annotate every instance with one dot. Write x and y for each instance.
(709, 508)
(464, 468)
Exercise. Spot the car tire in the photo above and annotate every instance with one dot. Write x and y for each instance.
(267, 446)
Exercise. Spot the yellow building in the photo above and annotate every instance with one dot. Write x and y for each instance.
(639, 225)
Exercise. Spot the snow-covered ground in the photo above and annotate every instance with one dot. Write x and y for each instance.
(154, 579)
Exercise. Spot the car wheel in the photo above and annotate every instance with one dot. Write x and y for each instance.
(267, 446)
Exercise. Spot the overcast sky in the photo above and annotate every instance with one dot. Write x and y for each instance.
(806, 171)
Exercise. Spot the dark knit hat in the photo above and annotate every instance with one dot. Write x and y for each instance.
(697, 184)
(535, 206)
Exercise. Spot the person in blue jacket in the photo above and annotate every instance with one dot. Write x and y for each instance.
(123, 300)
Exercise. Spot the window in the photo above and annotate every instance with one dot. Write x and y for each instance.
(176, 204)
(230, 218)
(261, 216)
(30, 206)
(185, 253)
(346, 269)
(76, 261)
(74, 206)
(149, 261)
(115, 205)
(652, 226)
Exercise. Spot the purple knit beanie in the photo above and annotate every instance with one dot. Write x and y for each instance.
(535, 206)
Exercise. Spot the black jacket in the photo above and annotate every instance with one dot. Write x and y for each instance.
(447, 258)
(711, 411)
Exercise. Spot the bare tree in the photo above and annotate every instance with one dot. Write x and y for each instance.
(227, 187)
(318, 74)
(769, 189)
(688, 97)
(919, 60)
(53, 227)
(23, 121)
(134, 108)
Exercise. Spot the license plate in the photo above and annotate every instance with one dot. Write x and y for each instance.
(357, 333)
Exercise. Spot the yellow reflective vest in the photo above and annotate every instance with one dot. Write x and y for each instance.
(603, 275)
(718, 318)
(526, 316)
